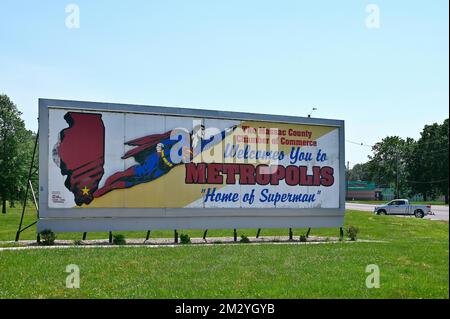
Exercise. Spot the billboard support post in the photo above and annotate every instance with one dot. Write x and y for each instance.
(204, 234)
(308, 232)
(24, 205)
(36, 205)
(258, 232)
(147, 236)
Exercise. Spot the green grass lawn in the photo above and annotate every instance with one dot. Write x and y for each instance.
(413, 262)
(380, 202)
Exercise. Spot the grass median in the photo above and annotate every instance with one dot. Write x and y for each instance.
(413, 263)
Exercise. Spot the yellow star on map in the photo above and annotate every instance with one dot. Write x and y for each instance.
(85, 190)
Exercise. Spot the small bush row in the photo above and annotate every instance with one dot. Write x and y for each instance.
(48, 237)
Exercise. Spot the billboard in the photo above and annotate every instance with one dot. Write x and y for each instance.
(106, 167)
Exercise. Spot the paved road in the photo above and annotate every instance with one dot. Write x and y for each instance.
(441, 212)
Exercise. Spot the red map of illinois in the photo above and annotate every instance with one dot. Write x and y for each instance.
(81, 152)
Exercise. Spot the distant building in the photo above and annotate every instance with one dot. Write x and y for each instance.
(362, 190)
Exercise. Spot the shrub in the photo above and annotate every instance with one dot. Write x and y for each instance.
(244, 239)
(48, 237)
(303, 238)
(119, 239)
(185, 239)
(352, 232)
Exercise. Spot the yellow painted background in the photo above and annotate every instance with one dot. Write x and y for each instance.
(171, 191)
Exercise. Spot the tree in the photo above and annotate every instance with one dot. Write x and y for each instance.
(22, 167)
(13, 142)
(387, 165)
(428, 167)
(359, 172)
(411, 167)
(443, 163)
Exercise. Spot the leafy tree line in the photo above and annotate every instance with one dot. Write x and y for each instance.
(16, 148)
(409, 166)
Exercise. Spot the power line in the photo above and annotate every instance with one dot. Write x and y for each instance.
(430, 142)
(417, 143)
(358, 143)
(444, 150)
(429, 182)
(423, 156)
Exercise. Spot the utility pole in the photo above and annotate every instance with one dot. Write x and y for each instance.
(397, 195)
(348, 178)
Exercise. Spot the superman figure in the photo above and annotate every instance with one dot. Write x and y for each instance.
(153, 153)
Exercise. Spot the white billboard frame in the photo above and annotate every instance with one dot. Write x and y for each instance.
(112, 219)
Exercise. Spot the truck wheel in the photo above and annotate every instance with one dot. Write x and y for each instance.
(419, 213)
(381, 212)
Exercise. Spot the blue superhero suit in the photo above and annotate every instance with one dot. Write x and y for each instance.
(153, 164)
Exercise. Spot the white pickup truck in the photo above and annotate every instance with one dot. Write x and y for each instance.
(402, 207)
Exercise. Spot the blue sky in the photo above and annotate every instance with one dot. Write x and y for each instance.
(276, 57)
